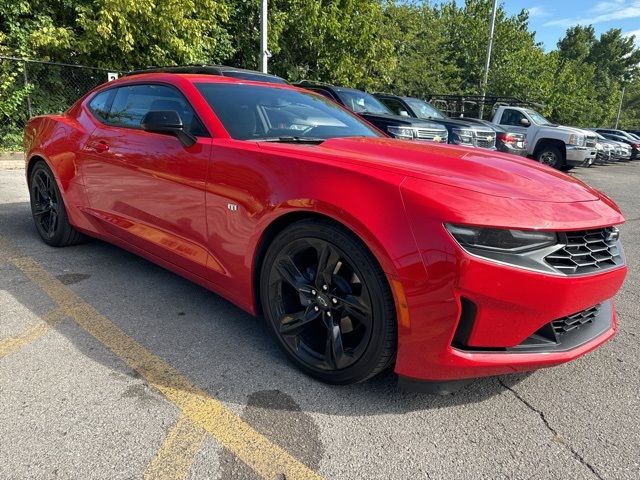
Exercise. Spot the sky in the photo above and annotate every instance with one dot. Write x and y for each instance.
(551, 18)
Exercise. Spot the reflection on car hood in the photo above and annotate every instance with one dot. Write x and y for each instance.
(482, 171)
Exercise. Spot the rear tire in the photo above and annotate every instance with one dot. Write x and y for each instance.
(328, 303)
(48, 209)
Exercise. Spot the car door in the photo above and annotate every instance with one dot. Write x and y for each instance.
(510, 121)
(147, 188)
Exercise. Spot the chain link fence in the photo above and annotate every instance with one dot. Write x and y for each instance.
(29, 88)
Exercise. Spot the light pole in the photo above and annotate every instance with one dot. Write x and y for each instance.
(263, 36)
(619, 109)
(485, 76)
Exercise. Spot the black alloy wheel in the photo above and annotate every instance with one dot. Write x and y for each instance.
(48, 209)
(46, 204)
(328, 303)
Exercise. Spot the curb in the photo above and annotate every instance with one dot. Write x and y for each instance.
(11, 160)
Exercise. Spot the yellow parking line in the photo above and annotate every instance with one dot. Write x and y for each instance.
(177, 452)
(12, 344)
(250, 446)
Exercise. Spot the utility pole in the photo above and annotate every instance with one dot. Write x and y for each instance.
(263, 36)
(488, 62)
(619, 109)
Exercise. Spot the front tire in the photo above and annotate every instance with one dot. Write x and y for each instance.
(48, 209)
(551, 156)
(328, 303)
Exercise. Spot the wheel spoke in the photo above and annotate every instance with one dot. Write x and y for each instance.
(290, 273)
(295, 323)
(328, 259)
(53, 221)
(334, 351)
(41, 188)
(355, 306)
(40, 209)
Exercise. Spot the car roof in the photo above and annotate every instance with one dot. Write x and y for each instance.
(221, 70)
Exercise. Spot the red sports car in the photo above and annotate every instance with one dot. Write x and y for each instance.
(361, 251)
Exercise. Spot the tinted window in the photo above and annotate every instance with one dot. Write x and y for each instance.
(423, 109)
(256, 112)
(512, 117)
(395, 106)
(100, 104)
(131, 103)
(361, 102)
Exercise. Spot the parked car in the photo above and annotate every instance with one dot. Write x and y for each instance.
(508, 142)
(621, 136)
(460, 131)
(361, 251)
(372, 110)
(620, 152)
(554, 145)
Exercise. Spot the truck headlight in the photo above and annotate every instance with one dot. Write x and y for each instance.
(401, 132)
(462, 136)
(577, 140)
(478, 239)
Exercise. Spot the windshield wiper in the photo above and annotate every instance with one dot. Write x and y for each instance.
(309, 140)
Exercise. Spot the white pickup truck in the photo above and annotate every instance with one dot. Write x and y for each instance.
(555, 145)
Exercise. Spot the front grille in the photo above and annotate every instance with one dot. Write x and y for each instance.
(591, 142)
(431, 134)
(485, 139)
(577, 320)
(587, 251)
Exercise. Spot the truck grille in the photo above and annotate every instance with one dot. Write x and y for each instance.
(485, 139)
(591, 142)
(587, 251)
(566, 324)
(431, 134)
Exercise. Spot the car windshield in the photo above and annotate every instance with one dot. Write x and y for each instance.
(537, 118)
(361, 102)
(253, 112)
(423, 109)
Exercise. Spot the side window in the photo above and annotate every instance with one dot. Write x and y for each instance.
(101, 103)
(511, 117)
(131, 103)
(395, 106)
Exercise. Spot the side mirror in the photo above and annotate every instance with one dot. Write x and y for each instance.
(169, 122)
(404, 113)
(525, 122)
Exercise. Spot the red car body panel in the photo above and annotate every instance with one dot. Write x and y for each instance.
(149, 194)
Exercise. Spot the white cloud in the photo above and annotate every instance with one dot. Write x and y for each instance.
(537, 11)
(636, 33)
(602, 12)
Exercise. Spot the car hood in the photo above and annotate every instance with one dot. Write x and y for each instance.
(400, 120)
(478, 170)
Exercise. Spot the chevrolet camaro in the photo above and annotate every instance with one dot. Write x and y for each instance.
(361, 251)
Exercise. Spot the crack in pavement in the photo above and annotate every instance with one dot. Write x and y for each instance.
(546, 423)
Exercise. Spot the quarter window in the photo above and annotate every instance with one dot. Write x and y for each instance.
(132, 102)
(100, 104)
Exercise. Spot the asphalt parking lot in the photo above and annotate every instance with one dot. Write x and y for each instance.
(111, 367)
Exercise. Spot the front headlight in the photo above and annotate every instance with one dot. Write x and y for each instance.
(477, 239)
(577, 140)
(462, 136)
(401, 132)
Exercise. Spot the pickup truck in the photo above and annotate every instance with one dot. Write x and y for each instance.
(558, 146)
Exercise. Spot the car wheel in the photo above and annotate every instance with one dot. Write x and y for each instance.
(551, 156)
(328, 303)
(48, 210)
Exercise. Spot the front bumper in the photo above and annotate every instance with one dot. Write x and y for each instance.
(576, 156)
